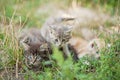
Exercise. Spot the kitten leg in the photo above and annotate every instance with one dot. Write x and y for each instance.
(66, 50)
(73, 52)
(65, 55)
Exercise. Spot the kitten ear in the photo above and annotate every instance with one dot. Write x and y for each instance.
(67, 19)
(27, 40)
(26, 43)
(43, 47)
(51, 28)
(62, 19)
(70, 28)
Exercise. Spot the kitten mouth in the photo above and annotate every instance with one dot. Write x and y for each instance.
(61, 45)
(58, 45)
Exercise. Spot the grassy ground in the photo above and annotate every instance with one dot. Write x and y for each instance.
(16, 14)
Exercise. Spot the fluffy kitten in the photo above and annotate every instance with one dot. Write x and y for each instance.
(36, 43)
(92, 49)
(82, 48)
(50, 34)
(58, 35)
(36, 49)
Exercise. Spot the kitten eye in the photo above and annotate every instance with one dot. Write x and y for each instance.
(38, 58)
(56, 40)
(63, 39)
(97, 52)
(92, 45)
(29, 57)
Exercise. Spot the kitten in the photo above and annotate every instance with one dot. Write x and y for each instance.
(33, 39)
(83, 48)
(36, 54)
(92, 49)
(75, 44)
(58, 35)
(51, 34)
(36, 49)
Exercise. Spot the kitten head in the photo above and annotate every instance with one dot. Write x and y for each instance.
(32, 60)
(35, 52)
(95, 46)
(59, 34)
(92, 49)
(35, 57)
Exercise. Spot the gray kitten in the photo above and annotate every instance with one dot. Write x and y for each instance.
(36, 49)
(56, 32)
(37, 42)
(58, 35)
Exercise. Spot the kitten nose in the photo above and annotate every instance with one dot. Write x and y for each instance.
(57, 43)
(31, 64)
(56, 40)
(98, 58)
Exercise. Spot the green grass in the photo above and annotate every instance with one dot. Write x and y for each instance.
(107, 68)
(11, 55)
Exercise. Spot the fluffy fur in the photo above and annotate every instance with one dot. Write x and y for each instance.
(84, 48)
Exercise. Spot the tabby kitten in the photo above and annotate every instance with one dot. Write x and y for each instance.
(50, 34)
(36, 54)
(33, 39)
(36, 49)
(58, 35)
